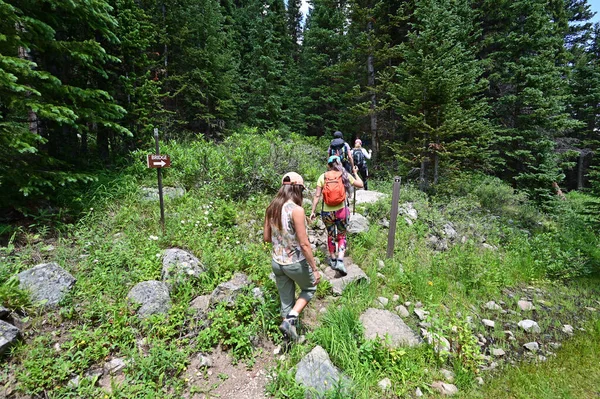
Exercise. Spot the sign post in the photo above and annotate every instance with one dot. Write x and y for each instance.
(159, 165)
(393, 217)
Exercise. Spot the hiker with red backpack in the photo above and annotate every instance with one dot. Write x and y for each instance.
(342, 149)
(335, 185)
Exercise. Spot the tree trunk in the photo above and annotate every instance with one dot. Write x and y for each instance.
(373, 105)
(24, 54)
(580, 164)
(436, 167)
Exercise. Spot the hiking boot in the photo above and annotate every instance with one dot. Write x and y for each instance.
(341, 268)
(288, 327)
(333, 263)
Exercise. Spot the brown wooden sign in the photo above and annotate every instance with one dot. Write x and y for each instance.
(158, 161)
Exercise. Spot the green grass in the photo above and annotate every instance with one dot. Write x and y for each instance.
(574, 373)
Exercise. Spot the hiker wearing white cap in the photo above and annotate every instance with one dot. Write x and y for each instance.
(335, 186)
(360, 156)
(292, 258)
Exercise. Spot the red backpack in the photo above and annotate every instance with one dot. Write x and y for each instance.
(334, 192)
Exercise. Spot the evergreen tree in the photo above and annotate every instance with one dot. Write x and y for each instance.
(439, 90)
(327, 68)
(521, 45)
(51, 61)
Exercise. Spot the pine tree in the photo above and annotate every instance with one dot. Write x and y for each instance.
(51, 60)
(439, 87)
(521, 45)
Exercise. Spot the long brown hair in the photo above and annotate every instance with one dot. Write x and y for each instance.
(286, 192)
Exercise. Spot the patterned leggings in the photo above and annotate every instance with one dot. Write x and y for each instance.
(336, 223)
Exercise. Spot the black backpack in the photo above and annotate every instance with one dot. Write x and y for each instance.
(338, 147)
(359, 158)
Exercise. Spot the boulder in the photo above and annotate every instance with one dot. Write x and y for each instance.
(339, 283)
(368, 197)
(200, 304)
(530, 326)
(153, 296)
(358, 224)
(178, 266)
(229, 290)
(525, 305)
(444, 389)
(47, 283)
(402, 311)
(9, 334)
(316, 372)
(408, 210)
(384, 324)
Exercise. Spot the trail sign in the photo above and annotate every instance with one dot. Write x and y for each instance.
(158, 161)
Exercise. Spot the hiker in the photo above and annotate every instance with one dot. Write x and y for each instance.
(292, 258)
(342, 149)
(360, 156)
(335, 186)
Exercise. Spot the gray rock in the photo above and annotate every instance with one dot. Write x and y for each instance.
(153, 296)
(488, 323)
(201, 305)
(380, 264)
(9, 335)
(530, 326)
(491, 305)
(380, 276)
(47, 283)
(444, 389)
(384, 324)
(368, 197)
(498, 352)
(395, 298)
(383, 301)
(421, 314)
(402, 311)
(114, 365)
(258, 294)
(542, 358)
(204, 361)
(448, 375)
(408, 210)
(339, 283)
(316, 372)
(488, 246)
(567, 329)
(525, 305)
(418, 392)
(358, 224)
(418, 305)
(229, 290)
(439, 343)
(437, 244)
(179, 266)
(479, 380)
(449, 231)
(532, 346)
(385, 384)
(151, 193)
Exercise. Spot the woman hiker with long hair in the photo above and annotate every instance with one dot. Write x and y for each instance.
(335, 216)
(292, 258)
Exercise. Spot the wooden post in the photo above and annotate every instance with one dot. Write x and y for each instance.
(393, 217)
(160, 187)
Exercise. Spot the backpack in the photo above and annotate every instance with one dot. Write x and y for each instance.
(359, 158)
(334, 192)
(338, 147)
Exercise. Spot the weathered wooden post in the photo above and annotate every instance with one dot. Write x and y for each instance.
(393, 217)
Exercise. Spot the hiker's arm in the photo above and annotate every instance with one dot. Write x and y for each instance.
(267, 231)
(358, 183)
(367, 153)
(299, 219)
(315, 202)
(350, 156)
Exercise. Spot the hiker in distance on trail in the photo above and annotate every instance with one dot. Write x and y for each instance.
(360, 156)
(342, 149)
(292, 258)
(335, 185)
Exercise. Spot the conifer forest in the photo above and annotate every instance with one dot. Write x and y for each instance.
(510, 88)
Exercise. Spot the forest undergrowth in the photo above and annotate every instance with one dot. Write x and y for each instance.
(117, 242)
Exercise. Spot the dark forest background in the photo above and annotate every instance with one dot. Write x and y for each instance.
(509, 88)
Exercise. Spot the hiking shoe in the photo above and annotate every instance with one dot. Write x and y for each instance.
(341, 268)
(333, 263)
(288, 327)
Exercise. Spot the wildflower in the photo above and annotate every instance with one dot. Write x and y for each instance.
(206, 212)
(209, 225)
(153, 238)
(430, 283)
(183, 222)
